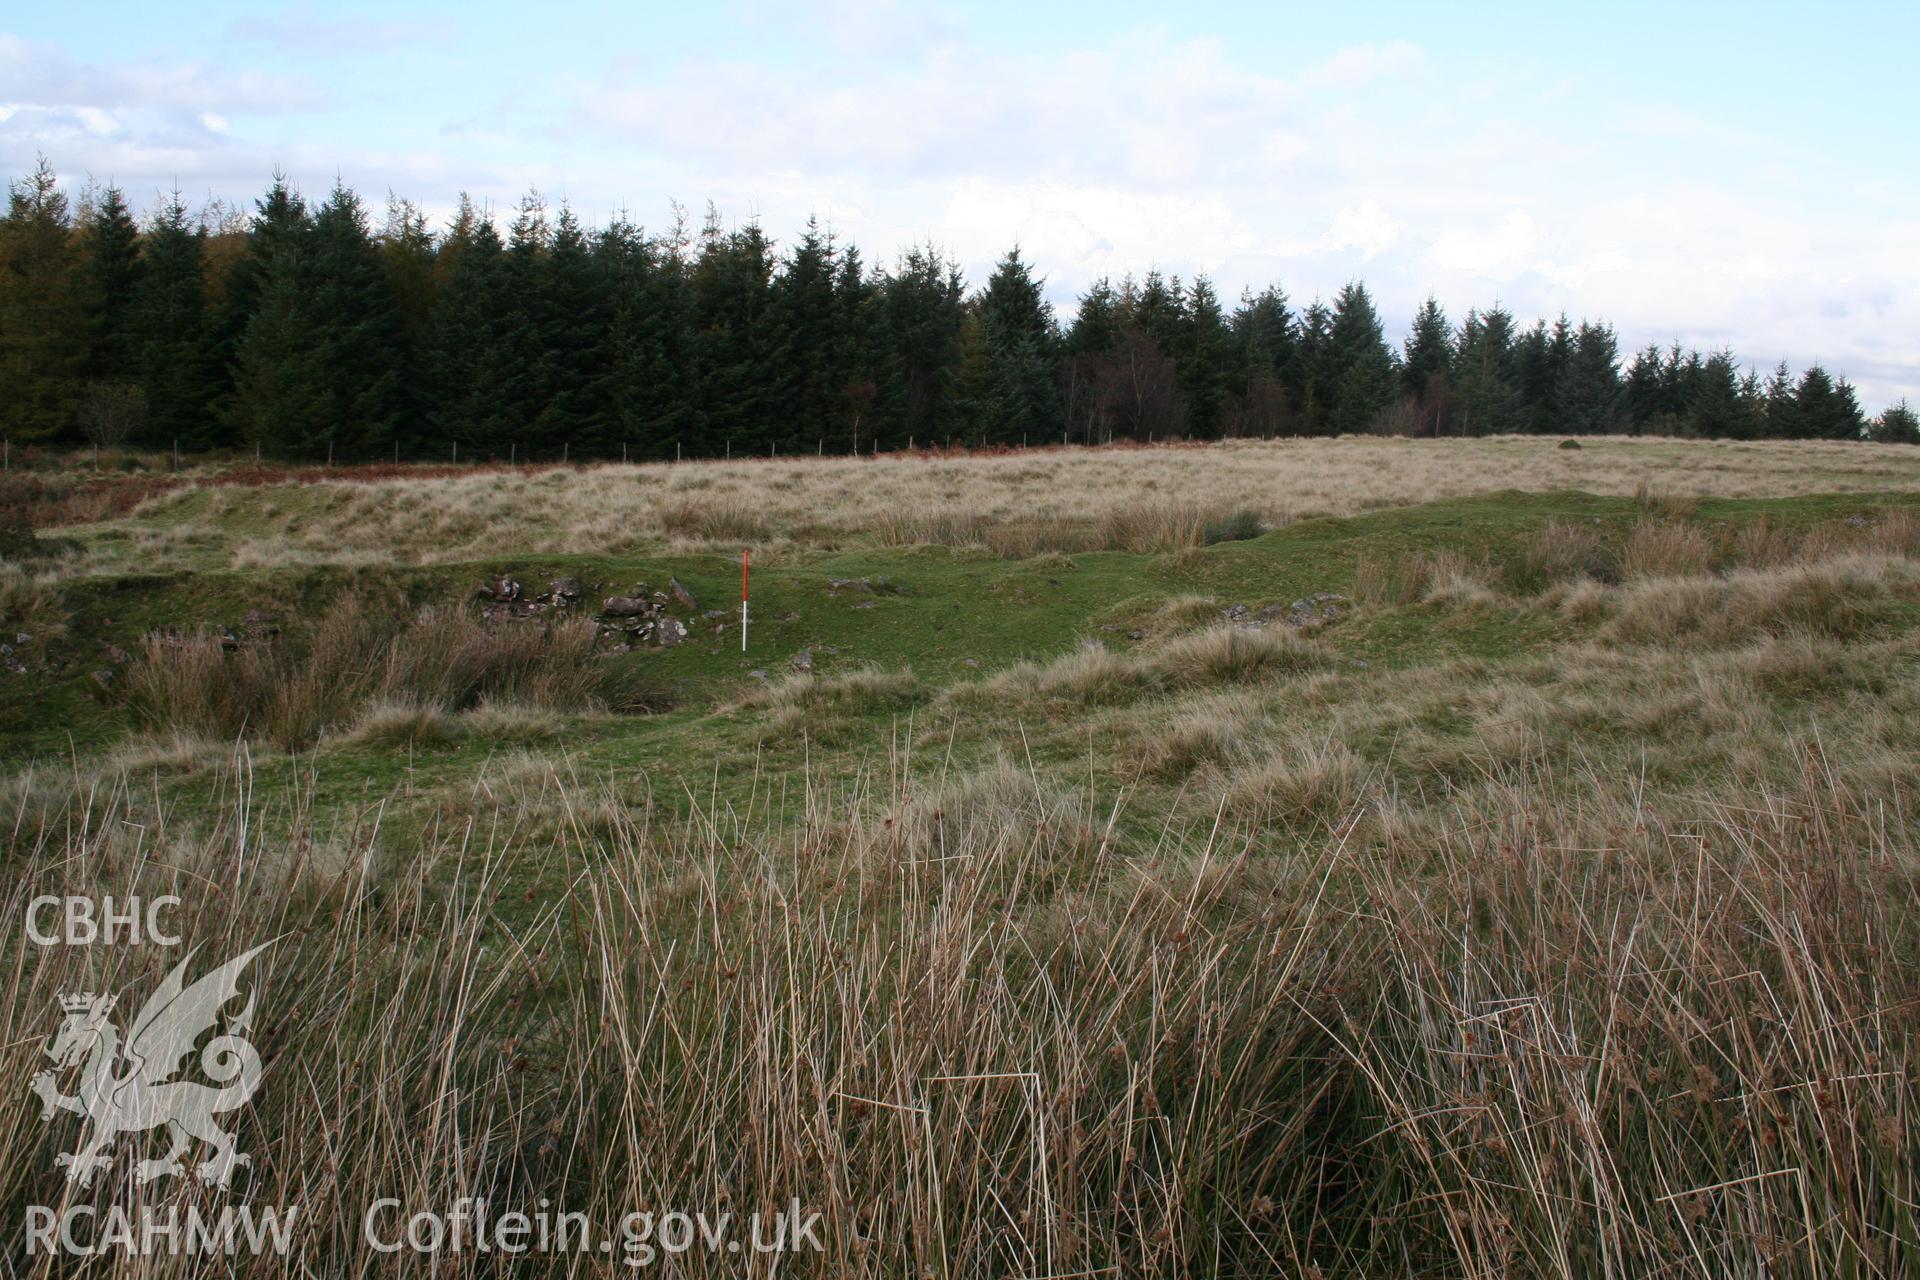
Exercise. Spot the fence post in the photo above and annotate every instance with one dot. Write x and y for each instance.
(566, 447)
(456, 453)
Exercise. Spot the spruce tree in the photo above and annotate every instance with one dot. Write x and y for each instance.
(407, 256)
(42, 328)
(524, 386)
(275, 401)
(109, 279)
(1897, 424)
(1780, 412)
(1488, 399)
(737, 348)
(464, 343)
(1589, 398)
(1429, 349)
(924, 313)
(1715, 408)
(1262, 334)
(1311, 376)
(1366, 381)
(1086, 375)
(1206, 358)
(576, 320)
(805, 321)
(1825, 408)
(277, 231)
(1018, 340)
(357, 326)
(172, 349)
(1426, 371)
(860, 335)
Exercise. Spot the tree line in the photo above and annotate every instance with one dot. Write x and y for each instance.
(303, 331)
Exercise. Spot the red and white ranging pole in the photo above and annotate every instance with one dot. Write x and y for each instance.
(743, 600)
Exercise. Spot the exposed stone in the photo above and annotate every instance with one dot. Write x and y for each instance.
(103, 676)
(1308, 611)
(683, 593)
(803, 660)
(670, 631)
(626, 607)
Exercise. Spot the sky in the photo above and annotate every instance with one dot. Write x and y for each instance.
(1737, 175)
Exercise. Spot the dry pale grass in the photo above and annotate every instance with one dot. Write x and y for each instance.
(1060, 500)
(1547, 1025)
(1841, 598)
(380, 677)
(1224, 655)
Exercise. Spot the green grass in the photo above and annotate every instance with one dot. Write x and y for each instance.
(949, 616)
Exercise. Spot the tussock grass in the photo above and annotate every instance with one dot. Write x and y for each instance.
(31, 607)
(1207, 731)
(380, 671)
(1841, 598)
(1092, 675)
(1563, 551)
(1665, 549)
(1545, 1025)
(713, 520)
(1446, 576)
(401, 724)
(1223, 655)
(1302, 782)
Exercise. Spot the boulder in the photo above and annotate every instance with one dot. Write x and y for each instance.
(683, 593)
(626, 607)
(803, 660)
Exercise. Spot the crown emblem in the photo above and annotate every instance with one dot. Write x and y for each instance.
(84, 1002)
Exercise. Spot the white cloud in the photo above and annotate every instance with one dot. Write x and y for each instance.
(1375, 162)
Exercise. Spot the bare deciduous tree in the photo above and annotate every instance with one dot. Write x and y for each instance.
(110, 412)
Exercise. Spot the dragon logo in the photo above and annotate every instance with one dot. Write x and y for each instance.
(125, 1085)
